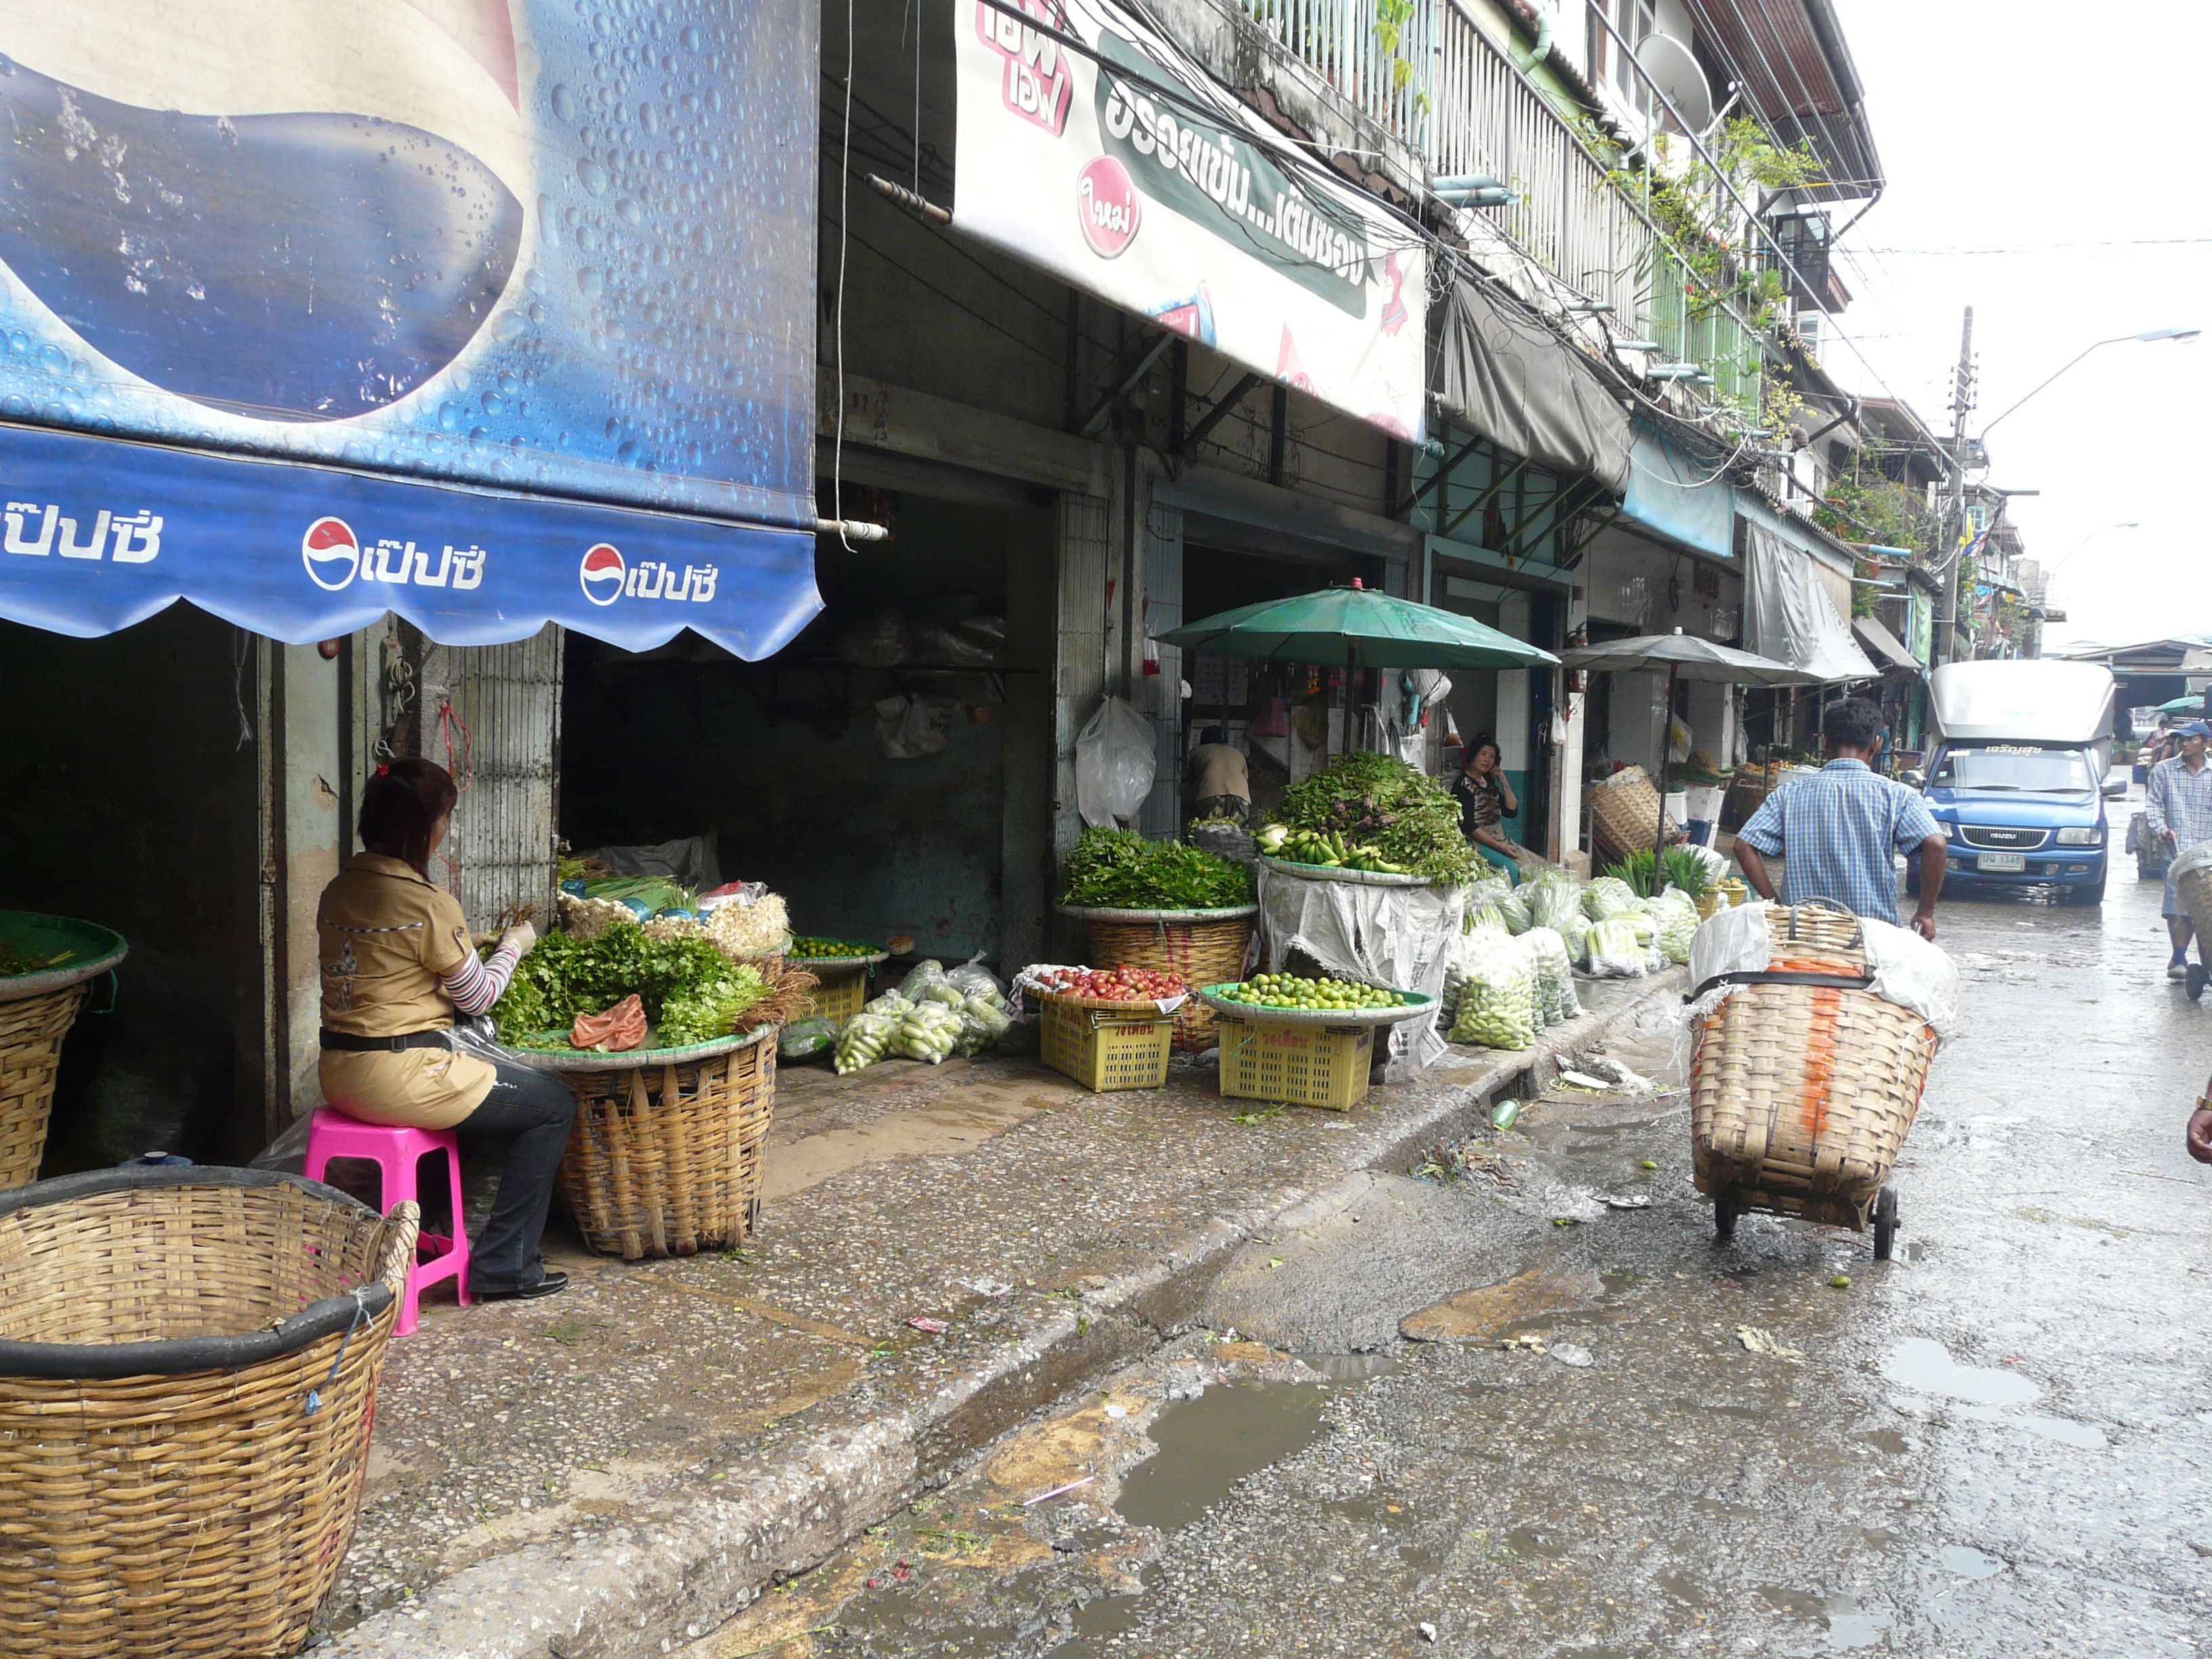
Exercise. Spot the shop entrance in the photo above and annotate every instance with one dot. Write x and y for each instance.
(883, 771)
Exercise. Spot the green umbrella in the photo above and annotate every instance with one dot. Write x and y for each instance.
(1355, 627)
(2191, 705)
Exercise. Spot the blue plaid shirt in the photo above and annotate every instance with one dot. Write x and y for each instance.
(1836, 832)
(2180, 800)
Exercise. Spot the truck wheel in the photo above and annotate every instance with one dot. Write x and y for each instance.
(2086, 897)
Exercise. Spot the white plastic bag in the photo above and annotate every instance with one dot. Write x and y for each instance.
(1556, 1001)
(1620, 947)
(907, 728)
(1115, 760)
(1497, 992)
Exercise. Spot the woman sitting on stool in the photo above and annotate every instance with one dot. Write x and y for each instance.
(1486, 800)
(398, 968)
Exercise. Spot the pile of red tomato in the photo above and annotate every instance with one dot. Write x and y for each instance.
(1123, 984)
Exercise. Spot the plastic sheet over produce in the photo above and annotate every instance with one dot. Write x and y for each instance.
(1400, 937)
(1908, 970)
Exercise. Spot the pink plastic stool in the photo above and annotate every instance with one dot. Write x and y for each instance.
(396, 1152)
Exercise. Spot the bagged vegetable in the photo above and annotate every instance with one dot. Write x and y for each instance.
(930, 1032)
(1617, 950)
(1554, 897)
(1677, 919)
(1555, 976)
(942, 990)
(890, 1002)
(973, 977)
(1486, 914)
(983, 1023)
(926, 973)
(1498, 995)
(1606, 897)
(1514, 906)
(803, 1039)
(1021, 1036)
(865, 1041)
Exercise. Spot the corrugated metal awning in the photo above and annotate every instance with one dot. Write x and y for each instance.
(1887, 651)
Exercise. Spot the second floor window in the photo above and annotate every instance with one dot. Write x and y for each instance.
(1609, 62)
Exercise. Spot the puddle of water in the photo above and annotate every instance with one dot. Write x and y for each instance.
(1798, 1603)
(1348, 1367)
(1683, 1587)
(1615, 1283)
(1925, 1365)
(1232, 1429)
(2064, 1430)
(1098, 1621)
(1969, 1563)
(1888, 1440)
(1849, 1628)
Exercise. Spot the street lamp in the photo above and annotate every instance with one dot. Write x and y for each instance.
(2179, 336)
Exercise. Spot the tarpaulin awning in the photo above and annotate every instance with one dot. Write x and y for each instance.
(1502, 373)
(1884, 647)
(101, 533)
(1678, 494)
(1787, 615)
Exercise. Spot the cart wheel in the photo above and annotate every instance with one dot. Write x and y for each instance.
(1724, 1214)
(2194, 983)
(1885, 1223)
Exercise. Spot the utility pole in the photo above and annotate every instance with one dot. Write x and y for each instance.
(1953, 520)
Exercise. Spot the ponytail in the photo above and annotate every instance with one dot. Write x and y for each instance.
(401, 804)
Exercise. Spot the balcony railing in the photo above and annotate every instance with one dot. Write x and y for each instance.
(1467, 107)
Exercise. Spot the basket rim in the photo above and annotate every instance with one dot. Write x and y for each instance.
(632, 1059)
(1334, 872)
(18, 987)
(1110, 913)
(815, 965)
(181, 1356)
(1252, 1013)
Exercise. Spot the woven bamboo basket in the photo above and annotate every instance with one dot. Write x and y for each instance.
(665, 1157)
(2192, 882)
(1801, 1095)
(31, 1033)
(188, 1368)
(1624, 813)
(1207, 947)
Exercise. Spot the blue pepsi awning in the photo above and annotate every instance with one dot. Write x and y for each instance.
(101, 533)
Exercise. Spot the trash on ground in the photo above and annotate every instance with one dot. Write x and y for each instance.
(1503, 1114)
(987, 1287)
(934, 1326)
(1627, 1200)
(1756, 1340)
(1030, 1503)
(1567, 1353)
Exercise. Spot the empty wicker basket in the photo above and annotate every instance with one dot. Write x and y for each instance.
(1624, 813)
(188, 1364)
(1801, 1094)
(664, 1159)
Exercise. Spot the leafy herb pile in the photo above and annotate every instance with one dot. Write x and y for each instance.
(692, 992)
(1120, 870)
(1412, 820)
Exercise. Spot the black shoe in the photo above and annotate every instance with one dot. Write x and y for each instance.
(550, 1285)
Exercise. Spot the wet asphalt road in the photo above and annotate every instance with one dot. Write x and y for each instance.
(1998, 1443)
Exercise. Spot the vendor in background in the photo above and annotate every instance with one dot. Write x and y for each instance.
(2177, 813)
(1486, 800)
(1217, 781)
(397, 970)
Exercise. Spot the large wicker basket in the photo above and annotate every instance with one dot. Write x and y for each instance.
(188, 1367)
(1625, 814)
(1207, 947)
(2192, 882)
(665, 1157)
(1802, 1094)
(36, 1011)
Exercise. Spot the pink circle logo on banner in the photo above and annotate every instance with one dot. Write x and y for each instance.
(1107, 204)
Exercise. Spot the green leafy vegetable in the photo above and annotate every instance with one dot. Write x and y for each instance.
(692, 992)
(1636, 870)
(1120, 870)
(1681, 867)
(1411, 819)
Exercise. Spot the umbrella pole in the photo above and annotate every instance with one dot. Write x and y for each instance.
(1666, 774)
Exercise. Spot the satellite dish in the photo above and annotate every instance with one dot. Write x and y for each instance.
(1672, 68)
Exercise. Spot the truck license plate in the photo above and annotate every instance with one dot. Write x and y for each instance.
(2002, 863)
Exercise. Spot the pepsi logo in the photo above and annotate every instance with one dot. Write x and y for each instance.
(331, 553)
(1107, 206)
(603, 574)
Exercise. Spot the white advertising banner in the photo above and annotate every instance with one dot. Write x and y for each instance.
(1075, 162)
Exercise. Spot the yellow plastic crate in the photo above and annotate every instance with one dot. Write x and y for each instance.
(840, 995)
(1104, 1050)
(1324, 1065)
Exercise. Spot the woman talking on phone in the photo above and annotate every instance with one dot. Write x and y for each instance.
(398, 968)
(1486, 800)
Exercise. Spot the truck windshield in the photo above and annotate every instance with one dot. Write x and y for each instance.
(2019, 771)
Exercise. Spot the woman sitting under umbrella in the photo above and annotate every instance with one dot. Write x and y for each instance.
(1485, 801)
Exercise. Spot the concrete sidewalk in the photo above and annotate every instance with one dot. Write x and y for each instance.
(618, 1470)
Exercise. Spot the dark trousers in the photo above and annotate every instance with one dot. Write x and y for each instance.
(532, 1111)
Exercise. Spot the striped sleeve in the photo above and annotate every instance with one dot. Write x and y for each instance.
(475, 986)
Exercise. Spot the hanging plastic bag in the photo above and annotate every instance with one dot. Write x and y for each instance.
(907, 728)
(1116, 758)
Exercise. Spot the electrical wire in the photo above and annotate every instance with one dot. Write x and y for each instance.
(952, 300)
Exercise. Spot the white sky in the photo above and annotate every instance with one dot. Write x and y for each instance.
(2022, 126)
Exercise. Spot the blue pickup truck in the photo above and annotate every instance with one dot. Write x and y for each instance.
(2017, 778)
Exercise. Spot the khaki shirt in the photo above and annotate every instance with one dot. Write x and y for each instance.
(385, 935)
(1218, 768)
